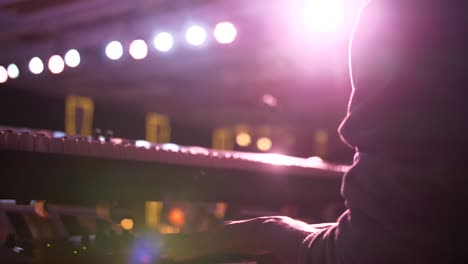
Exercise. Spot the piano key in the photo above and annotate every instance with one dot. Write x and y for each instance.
(26, 142)
(41, 143)
(11, 140)
(57, 145)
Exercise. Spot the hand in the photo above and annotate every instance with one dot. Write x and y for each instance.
(278, 236)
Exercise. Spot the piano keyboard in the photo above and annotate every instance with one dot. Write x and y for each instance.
(39, 157)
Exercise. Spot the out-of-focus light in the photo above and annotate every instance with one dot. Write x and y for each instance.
(13, 71)
(195, 35)
(127, 224)
(75, 252)
(176, 217)
(36, 66)
(321, 137)
(56, 64)
(114, 50)
(142, 144)
(243, 139)
(269, 100)
(138, 49)
(163, 42)
(264, 144)
(48, 245)
(72, 58)
(322, 15)
(225, 32)
(3, 74)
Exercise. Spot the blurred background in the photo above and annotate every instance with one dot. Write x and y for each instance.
(229, 75)
(261, 76)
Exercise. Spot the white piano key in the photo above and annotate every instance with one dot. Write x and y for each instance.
(11, 140)
(1, 138)
(57, 145)
(26, 142)
(82, 147)
(41, 143)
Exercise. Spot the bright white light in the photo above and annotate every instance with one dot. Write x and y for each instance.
(138, 49)
(13, 71)
(323, 15)
(114, 50)
(56, 64)
(72, 58)
(36, 66)
(3, 74)
(225, 32)
(163, 42)
(195, 35)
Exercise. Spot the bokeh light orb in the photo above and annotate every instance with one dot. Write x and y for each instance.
(36, 66)
(114, 50)
(195, 35)
(3, 74)
(225, 32)
(138, 49)
(72, 58)
(163, 42)
(176, 217)
(243, 139)
(56, 64)
(126, 223)
(322, 15)
(13, 71)
(264, 144)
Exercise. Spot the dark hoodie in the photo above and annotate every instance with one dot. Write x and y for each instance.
(407, 120)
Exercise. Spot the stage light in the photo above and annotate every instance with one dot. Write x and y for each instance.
(163, 42)
(114, 50)
(13, 71)
(36, 66)
(127, 224)
(3, 74)
(56, 64)
(243, 139)
(322, 15)
(195, 35)
(138, 49)
(225, 32)
(264, 144)
(72, 58)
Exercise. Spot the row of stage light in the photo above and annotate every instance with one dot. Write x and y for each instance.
(223, 33)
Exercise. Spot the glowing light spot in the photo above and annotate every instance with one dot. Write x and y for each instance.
(114, 50)
(84, 247)
(3, 74)
(225, 32)
(48, 245)
(13, 71)
(75, 252)
(127, 224)
(163, 42)
(176, 217)
(264, 144)
(36, 66)
(195, 35)
(138, 49)
(56, 64)
(72, 58)
(321, 137)
(269, 100)
(322, 15)
(243, 139)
